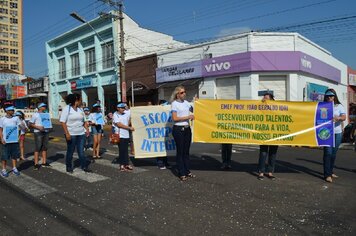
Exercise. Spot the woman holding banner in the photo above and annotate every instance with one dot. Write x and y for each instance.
(329, 155)
(41, 135)
(96, 120)
(182, 133)
(267, 151)
(122, 123)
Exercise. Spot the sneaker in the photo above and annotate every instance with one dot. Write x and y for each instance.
(16, 171)
(329, 179)
(87, 170)
(4, 173)
(46, 165)
(162, 167)
(36, 167)
(334, 176)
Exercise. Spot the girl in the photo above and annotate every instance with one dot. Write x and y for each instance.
(23, 130)
(97, 122)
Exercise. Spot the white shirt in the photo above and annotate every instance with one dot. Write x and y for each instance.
(74, 120)
(8, 122)
(338, 111)
(123, 119)
(36, 119)
(23, 126)
(182, 109)
(93, 117)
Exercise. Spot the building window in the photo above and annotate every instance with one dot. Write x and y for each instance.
(4, 58)
(108, 55)
(4, 66)
(13, 13)
(13, 5)
(14, 28)
(4, 50)
(3, 3)
(14, 43)
(4, 19)
(3, 11)
(4, 42)
(13, 21)
(4, 34)
(14, 51)
(75, 64)
(62, 68)
(14, 36)
(14, 67)
(14, 59)
(90, 64)
(4, 27)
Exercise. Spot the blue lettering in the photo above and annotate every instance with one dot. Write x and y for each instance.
(151, 118)
(144, 120)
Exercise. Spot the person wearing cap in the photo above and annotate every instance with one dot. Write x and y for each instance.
(121, 120)
(23, 129)
(267, 151)
(41, 136)
(329, 154)
(88, 144)
(9, 125)
(75, 129)
(182, 134)
(96, 121)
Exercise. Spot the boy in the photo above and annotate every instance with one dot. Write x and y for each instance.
(9, 136)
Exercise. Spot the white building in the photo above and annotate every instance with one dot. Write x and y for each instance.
(240, 67)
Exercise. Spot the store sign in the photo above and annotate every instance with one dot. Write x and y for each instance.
(352, 79)
(80, 84)
(315, 92)
(18, 92)
(179, 72)
(249, 62)
(35, 87)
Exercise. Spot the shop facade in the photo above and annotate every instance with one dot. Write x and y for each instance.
(245, 66)
(351, 90)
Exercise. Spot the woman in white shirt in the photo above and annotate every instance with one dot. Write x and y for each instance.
(75, 129)
(330, 152)
(182, 133)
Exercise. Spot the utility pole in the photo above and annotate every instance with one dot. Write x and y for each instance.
(122, 57)
(118, 6)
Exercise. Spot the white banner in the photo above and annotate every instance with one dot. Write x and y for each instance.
(153, 131)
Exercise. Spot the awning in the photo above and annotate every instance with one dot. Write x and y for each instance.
(35, 95)
(187, 82)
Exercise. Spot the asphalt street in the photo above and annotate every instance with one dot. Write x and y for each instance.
(150, 201)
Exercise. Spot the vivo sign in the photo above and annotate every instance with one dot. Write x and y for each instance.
(214, 66)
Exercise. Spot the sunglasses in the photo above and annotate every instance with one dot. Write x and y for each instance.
(182, 92)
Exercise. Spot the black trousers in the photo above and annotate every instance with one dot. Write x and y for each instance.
(182, 137)
(124, 151)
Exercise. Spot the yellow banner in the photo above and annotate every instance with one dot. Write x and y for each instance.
(269, 122)
(153, 131)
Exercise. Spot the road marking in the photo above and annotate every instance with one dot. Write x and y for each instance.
(108, 163)
(78, 173)
(30, 185)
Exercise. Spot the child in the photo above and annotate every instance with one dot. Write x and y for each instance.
(88, 145)
(97, 123)
(23, 129)
(41, 136)
(9, 125)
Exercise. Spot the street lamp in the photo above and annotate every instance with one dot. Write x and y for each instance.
(119, 85)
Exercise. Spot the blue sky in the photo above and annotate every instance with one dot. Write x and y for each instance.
(196, 20)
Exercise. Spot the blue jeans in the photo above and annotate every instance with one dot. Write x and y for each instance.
(270, 152)
(76, 141)
(330, 156)
(182, 137)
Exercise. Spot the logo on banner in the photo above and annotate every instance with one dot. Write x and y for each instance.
(73, 85)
